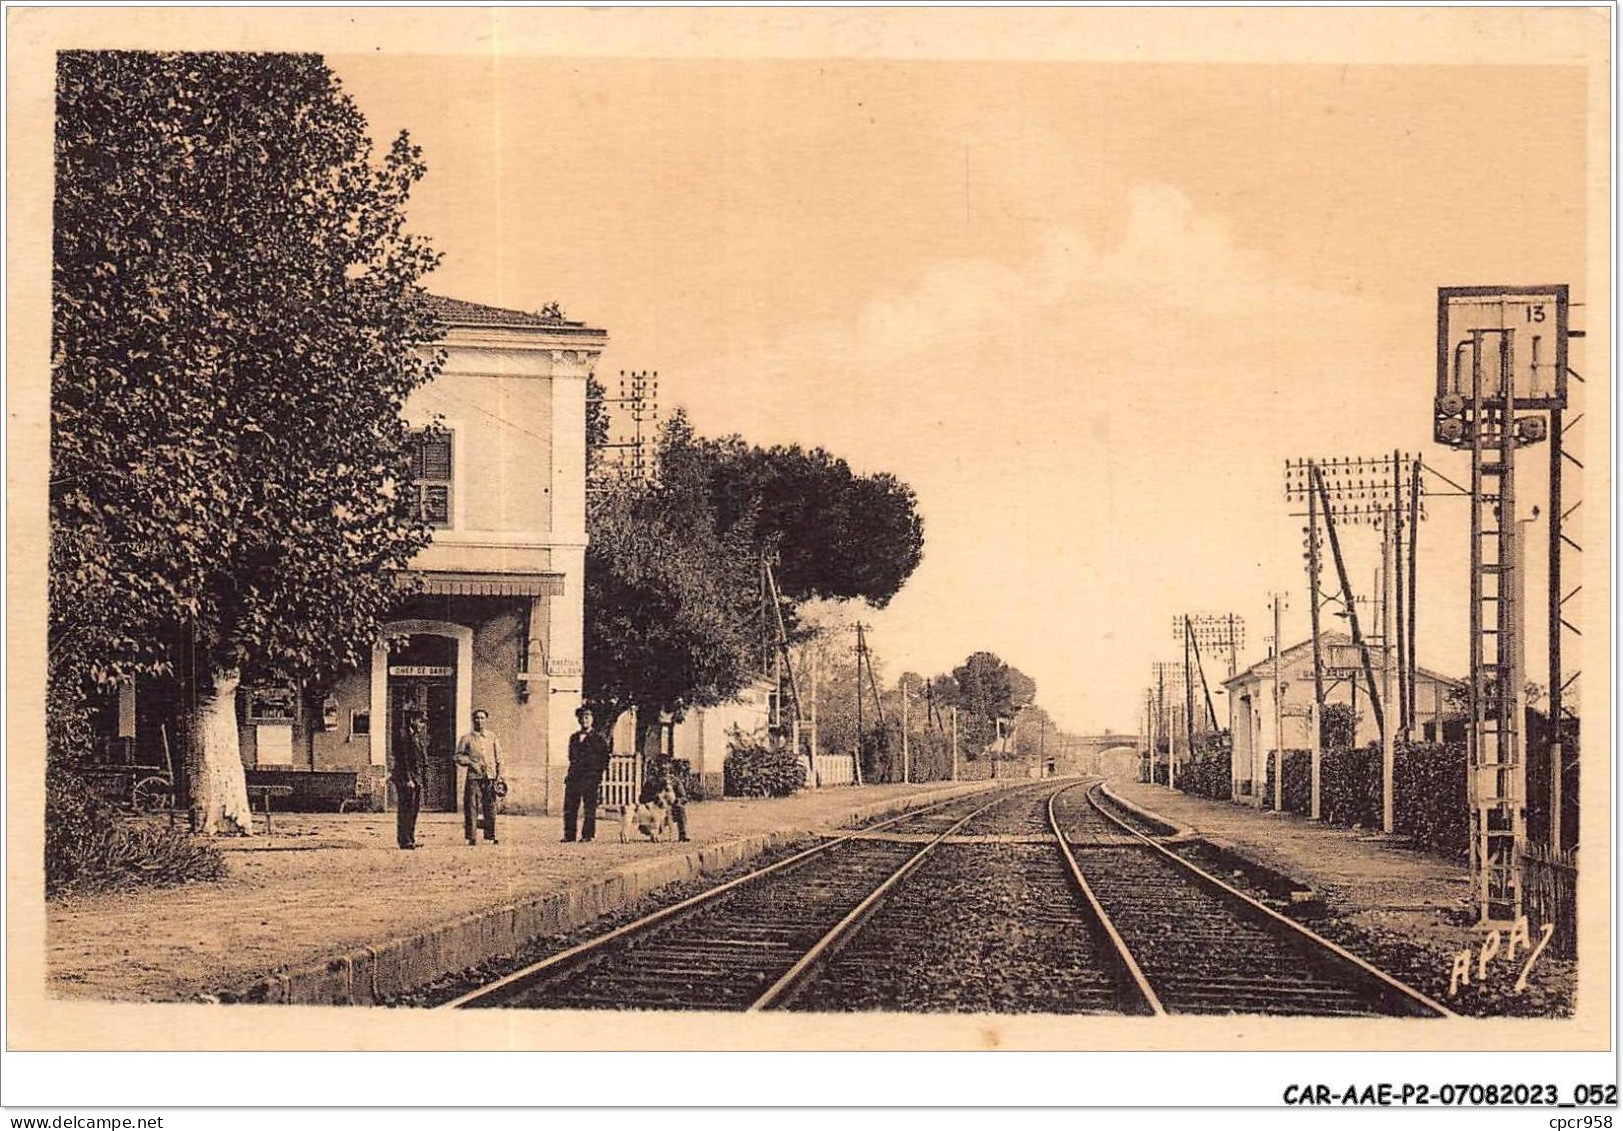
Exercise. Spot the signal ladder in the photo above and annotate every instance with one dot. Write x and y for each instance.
(1495, 747)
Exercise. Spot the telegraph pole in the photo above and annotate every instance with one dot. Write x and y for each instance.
(1367, 491)
(1149, 732)
(639, 394)
(1167, 675)
(1161, 718)
(1188, 702)
(815, 748)
(1224, 631)
(1279, 714)
(954, 710)
(862, 652)
(1388, 623)
(906, 767)
(1395, 631)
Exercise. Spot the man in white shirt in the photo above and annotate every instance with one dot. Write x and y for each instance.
(481, 753)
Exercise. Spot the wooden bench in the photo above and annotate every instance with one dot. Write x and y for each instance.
(309, 789)
(265, 793)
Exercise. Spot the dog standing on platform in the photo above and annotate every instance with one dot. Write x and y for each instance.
(651, 818)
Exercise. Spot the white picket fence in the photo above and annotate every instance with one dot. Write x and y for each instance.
(622, 781)
(836, 769)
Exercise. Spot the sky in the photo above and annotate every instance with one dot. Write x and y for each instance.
(1085, 310)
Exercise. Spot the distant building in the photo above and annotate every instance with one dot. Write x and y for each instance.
(1251, 704)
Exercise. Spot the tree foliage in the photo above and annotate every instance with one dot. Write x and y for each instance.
(674, 603)
(669, 597)
(835, 534)
(988, 689)
(236, 329)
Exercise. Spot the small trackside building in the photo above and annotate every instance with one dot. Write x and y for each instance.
(1251, 705)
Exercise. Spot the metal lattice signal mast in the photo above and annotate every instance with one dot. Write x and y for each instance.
(1503, 352)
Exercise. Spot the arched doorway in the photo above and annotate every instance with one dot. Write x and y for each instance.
(422, 671)
(427, 663)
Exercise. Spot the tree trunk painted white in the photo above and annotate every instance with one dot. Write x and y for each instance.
(219, 785)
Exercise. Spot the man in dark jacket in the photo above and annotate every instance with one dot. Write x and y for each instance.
(588, 759)
(408, 774)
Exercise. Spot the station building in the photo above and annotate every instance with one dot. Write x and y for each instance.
(491, 615)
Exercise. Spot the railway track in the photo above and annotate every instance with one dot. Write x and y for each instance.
(1200, 945)
(1037, 899)
(742, 945)
(993, 922)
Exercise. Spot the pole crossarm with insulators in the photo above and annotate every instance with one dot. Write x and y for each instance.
(632, 424)
(1221, 631)
(1387, 492)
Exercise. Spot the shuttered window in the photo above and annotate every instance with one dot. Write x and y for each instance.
(431, 471)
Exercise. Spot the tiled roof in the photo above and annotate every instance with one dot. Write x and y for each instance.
(1264, 668)
(456, 312)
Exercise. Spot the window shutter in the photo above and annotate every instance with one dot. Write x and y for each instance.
(436, 457)
(431, 468)
(436, 505)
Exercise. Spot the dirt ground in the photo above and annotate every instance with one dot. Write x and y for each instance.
(321, 884)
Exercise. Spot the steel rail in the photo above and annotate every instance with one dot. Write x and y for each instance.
(1140, 982)
(1268, 913)
(781, 991)
(520, 979)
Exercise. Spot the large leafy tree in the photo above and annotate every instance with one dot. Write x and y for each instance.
(674, 602)
(988, 689)
(669, 597)
(235, 333)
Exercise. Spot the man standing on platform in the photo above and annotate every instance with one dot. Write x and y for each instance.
(481, 753)
(408, 773)
(588, 759)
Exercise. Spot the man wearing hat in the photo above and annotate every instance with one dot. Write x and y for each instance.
(408, 773)
(588, 759)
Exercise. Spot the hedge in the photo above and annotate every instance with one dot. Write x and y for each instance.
(1350, 786)
(755, 768)
(1297, 794)
(1211, 772)
(1429, 797)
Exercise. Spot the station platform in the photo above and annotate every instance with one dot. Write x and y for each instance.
(325, 908)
